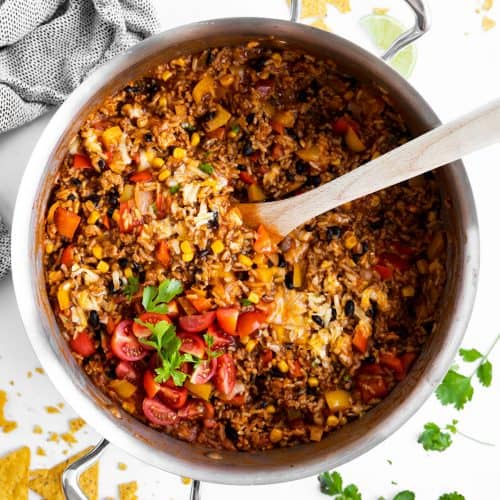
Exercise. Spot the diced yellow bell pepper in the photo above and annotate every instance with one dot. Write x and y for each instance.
(127, 193)
(203, 391)
(221, 117)
(226, 80)
(285, 118)
(103, 266)
(253, 298)
(195, 139)
(255, 193)
(245, 260)
(63, 296)
(311, 153)
(123, 388)
(315, 433)
(205, 86)
(111, 136)
(264, 274)
(338, 400)
(93, 217)
(298, 276)
(353, 141)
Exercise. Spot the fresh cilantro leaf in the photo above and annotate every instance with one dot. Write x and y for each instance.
(330, 483)
(131, 288)
(351, 492)
(235, 129)
(209, 340)
(451, 496)
(455, 389)
(168, 289)
(470, 355)
(433, 438)
(245, 302)
(405, 495)
(188, 127)
(178, 377)
(485, 373)
(173, 189)
(206, 167)
(453, 426)
(155, 299)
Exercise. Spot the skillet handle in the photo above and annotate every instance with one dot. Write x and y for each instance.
(421, 26)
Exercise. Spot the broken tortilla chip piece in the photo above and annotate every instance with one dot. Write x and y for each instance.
(320, 24)
(14, 471)
(312, 8)
(5, 425)
(75, 424)
(128, 491)
(89, 482)
(487, 24)
(47, 482)
(342, 6)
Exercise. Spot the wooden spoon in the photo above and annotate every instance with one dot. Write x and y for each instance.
(442, 145)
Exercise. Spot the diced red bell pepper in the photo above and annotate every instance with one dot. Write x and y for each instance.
(66, 222)
(81, 162)
(407, 359)
(342, 124)
(67, 256)
(128, 217)
(278, 127)
(277, 151)
(372, 387)
(393, 363)
(142, 176)
(247, 178)
(227, 317)
(360, 341)
(201, 304)
(403, 249)
(384, 272)
(266, 358)
(163, 253)
(394, 260)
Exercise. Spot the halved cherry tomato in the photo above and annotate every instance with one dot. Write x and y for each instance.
(128, 217)
(126, 370)
(201, 304)
(384, 272)
(196, 322)
(247, 178)
(67, 256)
(142, 176)
(150, 385)
(66, 222)
(393, 363)
(158, 413)
(263, 242)
(124, 343)
(394, 260)
(372, 387)
(83, 344)
(248, 322)
(225, 374)
(360, 341)
(141, 331)
(204, 371)
(266, 358)
(163, 253)
(278, 127)
(197, 409)
(81, 162)
(192, 344)
(220, 339)
(227, 317)
(175, 397)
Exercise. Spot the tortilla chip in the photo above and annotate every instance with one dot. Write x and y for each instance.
(37, 429)
(320, 24)
(342, 6)
(47, 482)
(487, 24)
(39, 370)
(75, 424)
(69, 438)
(5, 425)
(122, 466)
(14, 470)
(380, 11)
(89, 481)
(312, 8)
(128, 491)
(40, 451)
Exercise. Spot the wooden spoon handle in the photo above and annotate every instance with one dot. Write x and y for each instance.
(444, 144)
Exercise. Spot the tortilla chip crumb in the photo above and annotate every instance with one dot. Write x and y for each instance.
(186, 480)
(29, 374)
(39, 370)
(380, 11)
(52, 409)
(75, 424)
(320, 24)
(487, 5)
(342, 6)
(89, 481)
(54, 437)
(122, 466)
(65, 452)
(40, 451)
(5, 425)
(47, 482)
(37, 429)
(127, 491)
(14, 472)
(69, 438)
(60, 405)
(487, 23)
(11, 382)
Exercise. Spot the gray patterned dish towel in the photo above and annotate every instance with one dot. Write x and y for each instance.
(48, 47)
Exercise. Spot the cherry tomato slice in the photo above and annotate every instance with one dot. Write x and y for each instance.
(83, 344)
(126, 370)
(225, 374)
(158, 413)
(124, 343)
(196, 322)
(192, 344)
(220, 339)
(248, 322)
(204, 371)
(384, 272)
(141, 331)
(150, 385)
(193, 410)
(227, 317)
(174, 397)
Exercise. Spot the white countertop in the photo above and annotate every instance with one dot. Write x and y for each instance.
(455, 72)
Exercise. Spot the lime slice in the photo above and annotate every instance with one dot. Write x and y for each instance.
(383, 30)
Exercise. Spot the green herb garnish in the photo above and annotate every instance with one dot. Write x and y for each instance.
(166, 343)
(245, 302)
(235, 129)
(456, 388)
(131, 288)
(188, 127)
(405, 495)
(174, 189)
(433, 438)
(207, 168)
(155, 299)
(451, 496)
(331, 484)
(211, 354)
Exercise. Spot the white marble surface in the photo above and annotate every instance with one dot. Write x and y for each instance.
(455, 72)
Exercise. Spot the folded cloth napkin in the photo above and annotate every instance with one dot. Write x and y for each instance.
(48, 47)
(4, 250)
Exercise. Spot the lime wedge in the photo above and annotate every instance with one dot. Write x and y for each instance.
(383, 30)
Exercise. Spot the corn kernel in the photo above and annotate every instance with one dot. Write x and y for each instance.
(226, 80)
(166, 75)
(408, 291)
(350, 242)
(187, 257)
(252, 44)
(49, 247)
(282, 366)
(162, 101)
(195, 139)
(312, 382)
(271, 409)
(128, 273)
(253, 298)
(245, 260)
(180, 61)
(332, 421)
(252, 343)
(179, 153)
(186, 247)
(422, 266)
(93, 217)
(217, 247)
(276, 435)
(158, 162)
(97, 252)
(276, 57)
(163, 175)
(244, 340)
(55, 276)
(103, 267)
(375, 201)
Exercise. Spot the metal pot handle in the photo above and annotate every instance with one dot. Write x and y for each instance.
(421, 26)
(71, 488)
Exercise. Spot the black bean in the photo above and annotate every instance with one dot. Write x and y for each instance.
(132, 89)
(402, 331)
(214, 221)
(289, 280)
(333, 232)
(101, 163)
(302, 95)
(276, 373)
(250, 118)
(94, 320)
(349, 308)
(334, 313)
(428, 326)
(281, 260)
(289, 176)
(372, 312)
(123, 261)
(209, 115)
(204, 253)
(231, 433)
(257, 64)
(377, 224)
(364, 246)
(317, 319)
(369, 359)
(76, 182)
(71, 197)
(210, 57)
(94, 198)
(111, 287)
(241, 167)
(314, 87)
(301, 167)
(291, 133)
(248, 149)
(152, 86)
(137, 267)
(110, 211)
(314, 180)
(309, 228)
(242, 275)
(142, 276)
(148, 137)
